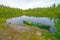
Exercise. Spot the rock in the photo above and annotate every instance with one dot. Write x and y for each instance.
(38, 33)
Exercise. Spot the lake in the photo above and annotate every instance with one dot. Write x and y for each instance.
(39, 20)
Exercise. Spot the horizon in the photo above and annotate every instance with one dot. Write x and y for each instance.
(26, 4)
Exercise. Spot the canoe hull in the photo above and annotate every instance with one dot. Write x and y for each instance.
(37, 25)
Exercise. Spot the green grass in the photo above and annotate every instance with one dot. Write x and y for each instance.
(50, 12)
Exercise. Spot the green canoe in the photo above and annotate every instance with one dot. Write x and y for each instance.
(37, 25)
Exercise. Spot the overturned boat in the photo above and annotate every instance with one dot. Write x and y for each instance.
(37, 25)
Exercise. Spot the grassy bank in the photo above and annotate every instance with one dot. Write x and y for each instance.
(51, 12)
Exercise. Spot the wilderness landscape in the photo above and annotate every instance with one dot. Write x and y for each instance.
(30, 33)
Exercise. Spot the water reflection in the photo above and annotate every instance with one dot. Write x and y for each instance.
(40, 20)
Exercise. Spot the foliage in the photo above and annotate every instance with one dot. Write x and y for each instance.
(52, 12)
(7, 12)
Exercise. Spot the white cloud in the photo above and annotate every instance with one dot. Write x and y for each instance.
(25, 4)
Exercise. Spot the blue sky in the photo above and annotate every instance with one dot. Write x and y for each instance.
(26, 4)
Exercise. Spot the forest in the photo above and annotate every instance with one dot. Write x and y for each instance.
(50, 12)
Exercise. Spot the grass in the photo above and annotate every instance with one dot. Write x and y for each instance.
(7, 12)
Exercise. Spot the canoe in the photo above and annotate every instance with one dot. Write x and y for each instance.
(37, 25)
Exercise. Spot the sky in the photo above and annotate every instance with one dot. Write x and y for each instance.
(26, 4)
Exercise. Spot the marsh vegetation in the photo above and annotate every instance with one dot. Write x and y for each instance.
(50, 12)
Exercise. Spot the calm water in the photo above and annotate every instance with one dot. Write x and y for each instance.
(40, 20)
